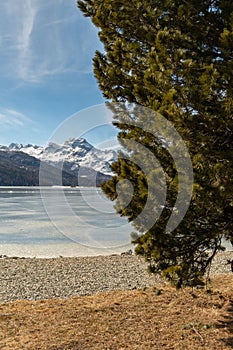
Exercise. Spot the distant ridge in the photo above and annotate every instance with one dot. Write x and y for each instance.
(81, 163)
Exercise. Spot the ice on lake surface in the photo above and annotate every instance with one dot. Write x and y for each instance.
(49, 222)
(57, 221)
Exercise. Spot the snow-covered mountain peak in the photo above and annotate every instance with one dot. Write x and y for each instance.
(79, 142)
(78, 152)
(52, 147)
(15, 146)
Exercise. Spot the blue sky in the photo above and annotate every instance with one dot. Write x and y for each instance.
(46, 51)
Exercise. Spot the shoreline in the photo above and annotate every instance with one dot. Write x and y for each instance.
(68, 250)
(65, 277)
(56, 250)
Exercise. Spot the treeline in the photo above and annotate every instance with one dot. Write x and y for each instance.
(20, 169)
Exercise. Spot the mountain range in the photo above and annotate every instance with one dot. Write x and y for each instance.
(81, 164)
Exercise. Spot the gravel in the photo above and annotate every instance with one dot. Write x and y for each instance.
(35, 278)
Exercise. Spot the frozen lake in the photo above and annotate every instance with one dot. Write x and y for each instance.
(48, 222)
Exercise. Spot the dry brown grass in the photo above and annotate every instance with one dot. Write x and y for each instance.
(182, 319)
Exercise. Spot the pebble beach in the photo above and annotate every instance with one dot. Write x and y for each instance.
(36, 278)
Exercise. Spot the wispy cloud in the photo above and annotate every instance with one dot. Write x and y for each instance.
(16, 126)
(13, 119)
(40, 39)
(24, 39)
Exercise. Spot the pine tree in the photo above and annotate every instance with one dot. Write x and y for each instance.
(175, 58)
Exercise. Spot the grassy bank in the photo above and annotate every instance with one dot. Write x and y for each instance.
(155, 318)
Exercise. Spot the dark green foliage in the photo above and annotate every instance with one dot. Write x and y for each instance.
(176, 58)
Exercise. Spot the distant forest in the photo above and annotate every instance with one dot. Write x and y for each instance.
(20, 169)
